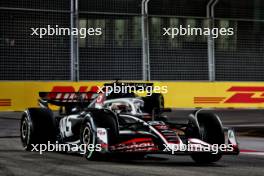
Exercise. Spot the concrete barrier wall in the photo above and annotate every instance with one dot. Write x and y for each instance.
(16, 96)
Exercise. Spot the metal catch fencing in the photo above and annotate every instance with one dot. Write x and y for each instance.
(132, 45)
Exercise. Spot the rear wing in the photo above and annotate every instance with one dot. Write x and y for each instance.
(67, 98)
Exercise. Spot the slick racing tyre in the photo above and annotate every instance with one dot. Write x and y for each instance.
(88, 138)
(107, 119)
(211, 131)
(37, 126)
(99, 119)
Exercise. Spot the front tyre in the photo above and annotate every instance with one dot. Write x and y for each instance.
(88, 139)
(211, 131)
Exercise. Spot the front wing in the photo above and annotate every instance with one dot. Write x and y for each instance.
(147, 144)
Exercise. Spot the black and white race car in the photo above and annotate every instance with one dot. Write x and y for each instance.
(125, 124)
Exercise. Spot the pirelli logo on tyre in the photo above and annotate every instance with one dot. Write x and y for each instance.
(241, 94)
(5, 102)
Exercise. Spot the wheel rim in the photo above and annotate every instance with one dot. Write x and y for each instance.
(86, 135)
(88, 138)
(25, 131)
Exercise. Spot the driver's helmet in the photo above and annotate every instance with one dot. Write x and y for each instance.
(121, 107)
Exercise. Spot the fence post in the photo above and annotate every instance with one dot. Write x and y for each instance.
(210, 40)
(145, 40)
(77, 68)
(74, 42)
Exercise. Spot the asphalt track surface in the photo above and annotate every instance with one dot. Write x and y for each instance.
(14, 161)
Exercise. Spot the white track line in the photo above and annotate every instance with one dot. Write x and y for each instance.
(252, 153)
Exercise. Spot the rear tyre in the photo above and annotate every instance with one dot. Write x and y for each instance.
(211, 131)
(37, 126)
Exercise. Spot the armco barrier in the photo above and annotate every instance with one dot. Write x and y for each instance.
(16, 96)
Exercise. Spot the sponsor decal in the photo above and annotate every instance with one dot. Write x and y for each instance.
(5, 102)
(205, 100)
(242, 94)
(135, 145)
(70, 94)
(246, 95)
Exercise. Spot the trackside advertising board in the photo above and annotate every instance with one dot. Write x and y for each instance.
(16, 96)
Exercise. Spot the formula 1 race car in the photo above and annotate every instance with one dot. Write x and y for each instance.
(124, 124)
